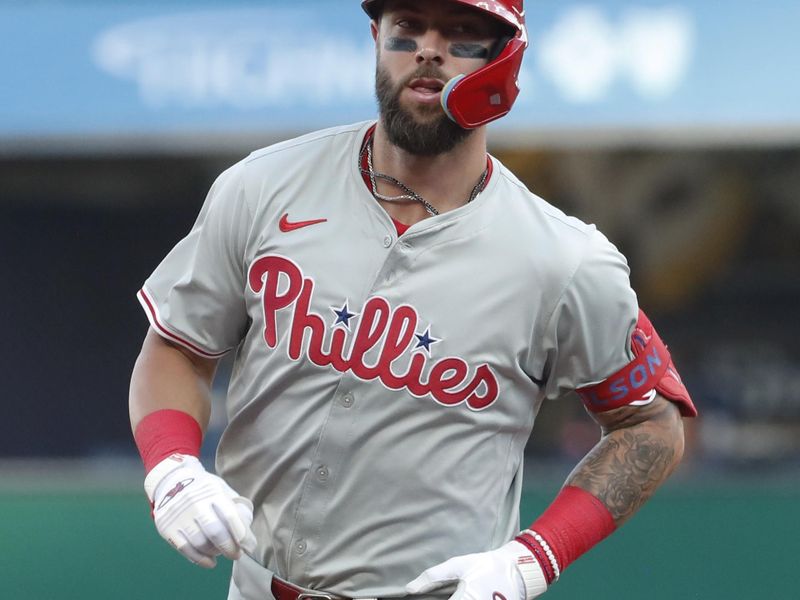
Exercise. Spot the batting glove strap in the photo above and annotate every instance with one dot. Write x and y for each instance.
(164, 468)
(531, 571)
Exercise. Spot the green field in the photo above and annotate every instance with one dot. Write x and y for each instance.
(726, 542)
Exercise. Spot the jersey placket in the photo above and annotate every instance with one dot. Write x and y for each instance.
(333, 446)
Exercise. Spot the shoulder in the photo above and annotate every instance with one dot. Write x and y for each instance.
(322, 154)
(525, 204)
(546, 234)
(308, 146)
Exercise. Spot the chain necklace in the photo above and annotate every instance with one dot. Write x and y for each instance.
(409, 193)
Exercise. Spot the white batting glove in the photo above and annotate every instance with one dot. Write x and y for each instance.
(509, 573)
(197, 512)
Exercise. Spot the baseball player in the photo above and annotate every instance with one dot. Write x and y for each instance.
(399, 306)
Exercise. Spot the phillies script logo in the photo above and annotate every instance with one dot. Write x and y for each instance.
(448, 380)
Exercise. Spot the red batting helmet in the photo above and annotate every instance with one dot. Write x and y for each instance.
(488, 93)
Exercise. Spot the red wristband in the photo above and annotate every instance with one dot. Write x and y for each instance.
(570, 526)
(165, 432)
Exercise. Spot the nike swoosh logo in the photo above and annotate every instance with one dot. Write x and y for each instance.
(286, 226)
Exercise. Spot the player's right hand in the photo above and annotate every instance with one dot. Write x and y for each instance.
(197, 512)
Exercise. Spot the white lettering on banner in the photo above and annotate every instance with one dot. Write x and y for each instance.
(260, 58)
(186, 61)
(584, 54)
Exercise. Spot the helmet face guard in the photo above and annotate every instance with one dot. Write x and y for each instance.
(490, 92)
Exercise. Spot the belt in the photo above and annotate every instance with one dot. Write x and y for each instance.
(283, 590)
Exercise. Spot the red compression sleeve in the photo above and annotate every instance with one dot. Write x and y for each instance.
(166, 432)
(570, 526)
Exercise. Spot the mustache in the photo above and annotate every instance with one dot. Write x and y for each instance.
(424, 72)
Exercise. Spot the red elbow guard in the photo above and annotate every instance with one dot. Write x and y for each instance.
(651, 369)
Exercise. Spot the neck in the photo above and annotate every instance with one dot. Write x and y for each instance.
(445, 180)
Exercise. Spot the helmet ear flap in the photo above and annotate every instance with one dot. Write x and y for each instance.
(444, 99)
(499, 46)
(487, 94)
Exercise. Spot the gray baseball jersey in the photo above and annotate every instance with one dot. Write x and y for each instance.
(384, 387)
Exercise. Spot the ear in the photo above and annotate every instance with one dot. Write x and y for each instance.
(374, 27)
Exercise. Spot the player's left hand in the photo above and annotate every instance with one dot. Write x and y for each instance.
(508, 573)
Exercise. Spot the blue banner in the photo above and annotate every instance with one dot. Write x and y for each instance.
(174, 68)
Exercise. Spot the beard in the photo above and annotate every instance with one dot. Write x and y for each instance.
(435, 135)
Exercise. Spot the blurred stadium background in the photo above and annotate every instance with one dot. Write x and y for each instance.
(672, 124)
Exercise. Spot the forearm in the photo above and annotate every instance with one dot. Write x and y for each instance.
(165, 377)
(170, 400)
(639, 449)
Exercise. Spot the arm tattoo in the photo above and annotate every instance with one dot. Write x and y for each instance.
(624, 469)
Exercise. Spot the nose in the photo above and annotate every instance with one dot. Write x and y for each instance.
(432, 48)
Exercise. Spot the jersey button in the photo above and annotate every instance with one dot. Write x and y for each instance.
(347, 400)
(387, 241)
(300, 547)
(322, 473)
